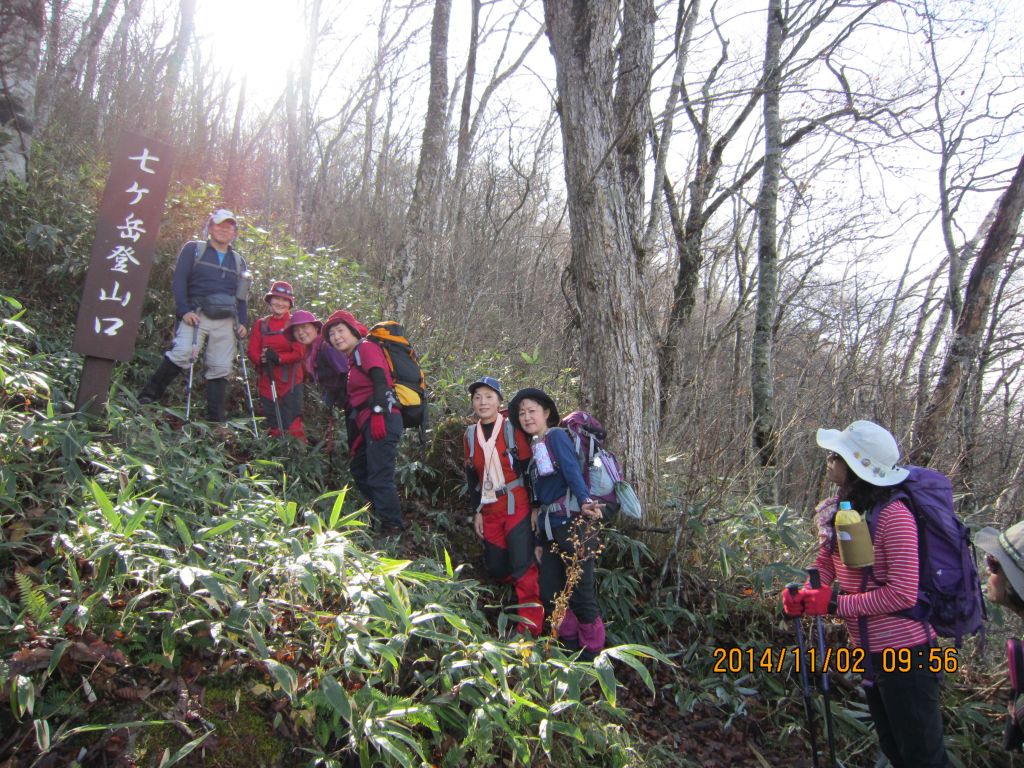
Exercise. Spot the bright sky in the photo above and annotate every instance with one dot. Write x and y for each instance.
(262, 39)
(257, 38)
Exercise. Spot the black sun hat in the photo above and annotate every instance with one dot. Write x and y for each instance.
(538, 396)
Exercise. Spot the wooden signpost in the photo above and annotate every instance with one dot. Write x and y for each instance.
(122, 257)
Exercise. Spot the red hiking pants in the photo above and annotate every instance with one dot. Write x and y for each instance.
(508, 555)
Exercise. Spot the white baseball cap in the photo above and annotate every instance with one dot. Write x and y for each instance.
(222, 215)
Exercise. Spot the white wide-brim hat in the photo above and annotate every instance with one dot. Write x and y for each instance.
(1008, 548)
(869, 450)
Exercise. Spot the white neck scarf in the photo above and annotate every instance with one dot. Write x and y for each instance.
(494, 478)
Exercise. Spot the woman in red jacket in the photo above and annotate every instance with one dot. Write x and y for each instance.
(497, 455)
(372, 417)
(278, 357)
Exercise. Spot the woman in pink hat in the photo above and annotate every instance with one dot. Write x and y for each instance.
(278, 357)
(323, 364)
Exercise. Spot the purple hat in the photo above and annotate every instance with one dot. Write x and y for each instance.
(301, 317)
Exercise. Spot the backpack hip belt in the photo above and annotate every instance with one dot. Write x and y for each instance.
(506, 491)
(558, 507)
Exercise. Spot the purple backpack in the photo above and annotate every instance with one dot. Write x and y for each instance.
(949, 590)
(601, 470)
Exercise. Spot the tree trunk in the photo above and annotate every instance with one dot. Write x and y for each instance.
(233, 177)
(114, 63)
(175, 64)
(429, 170)
(464, 143)
(94, 29)
(618, 364)
(762, 385)
(632, 112)
(21, 34)
(51, 62)
(963, 351)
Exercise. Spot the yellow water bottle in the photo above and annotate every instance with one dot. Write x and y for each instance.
(855, 547)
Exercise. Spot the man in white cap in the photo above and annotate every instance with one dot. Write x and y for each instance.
(211, 283)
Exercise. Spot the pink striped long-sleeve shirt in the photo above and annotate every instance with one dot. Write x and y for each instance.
(892, 586)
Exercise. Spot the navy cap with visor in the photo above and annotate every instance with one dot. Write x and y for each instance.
(486, 381)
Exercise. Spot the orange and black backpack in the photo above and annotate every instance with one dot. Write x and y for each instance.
(410, 384)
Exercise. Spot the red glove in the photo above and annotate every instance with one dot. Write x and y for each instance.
(791, 605)
(378, 429)
(815, 601)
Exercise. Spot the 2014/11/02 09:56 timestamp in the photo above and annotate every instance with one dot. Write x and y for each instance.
(838, 660)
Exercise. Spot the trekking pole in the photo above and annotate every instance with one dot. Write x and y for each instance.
(273, 396)
(815, 580)
(248, 392)
(191, 369)
(805, 680)
(331, 423)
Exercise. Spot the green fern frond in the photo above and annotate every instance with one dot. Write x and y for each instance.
(32, 598)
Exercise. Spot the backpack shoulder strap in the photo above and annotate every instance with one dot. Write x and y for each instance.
(240, 265)
(873, 515)
(510, 441)
(471, 440)
(356, 356)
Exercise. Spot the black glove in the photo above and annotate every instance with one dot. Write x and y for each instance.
(270, 356)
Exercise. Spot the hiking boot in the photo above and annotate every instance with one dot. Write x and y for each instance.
(216, 391)
(392, 529)
(164, 375)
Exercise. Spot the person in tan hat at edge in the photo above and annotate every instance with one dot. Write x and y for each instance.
(210, 285)
(1004, 556)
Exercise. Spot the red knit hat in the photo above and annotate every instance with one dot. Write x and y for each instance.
(282, 289)
(346, 317)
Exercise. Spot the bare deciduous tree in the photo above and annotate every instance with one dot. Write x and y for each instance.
(21, 33)
(762, 381)
(966, 336)
(618, 363)
(432, 153)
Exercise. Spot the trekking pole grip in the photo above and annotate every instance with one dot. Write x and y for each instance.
(814, 577)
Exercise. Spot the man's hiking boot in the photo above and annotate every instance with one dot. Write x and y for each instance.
(216, 390)
(164, 375)
(391, 529)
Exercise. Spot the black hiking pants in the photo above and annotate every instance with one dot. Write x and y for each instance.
(905, 709)
(373, 469)
(583, 600)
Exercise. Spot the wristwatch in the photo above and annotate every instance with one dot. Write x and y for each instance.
(378, 409)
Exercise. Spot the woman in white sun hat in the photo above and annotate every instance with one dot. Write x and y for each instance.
(862, 462)
(1004, 556)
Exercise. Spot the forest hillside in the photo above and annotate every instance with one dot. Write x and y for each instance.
(717, 230)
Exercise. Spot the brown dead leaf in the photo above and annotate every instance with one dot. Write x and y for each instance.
(19, 530)
(128, 693)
